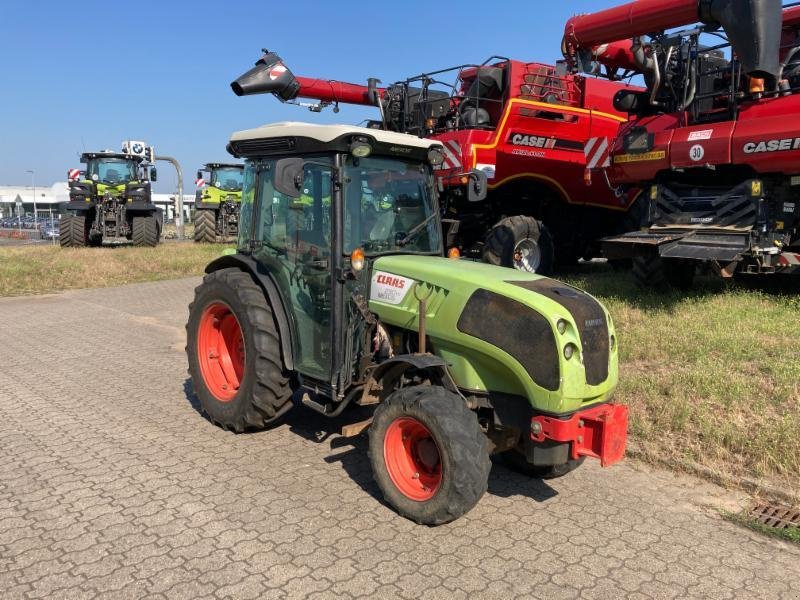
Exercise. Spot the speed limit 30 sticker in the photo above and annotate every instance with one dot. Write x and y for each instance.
(697, 152)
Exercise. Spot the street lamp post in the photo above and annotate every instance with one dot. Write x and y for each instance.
(35, 212)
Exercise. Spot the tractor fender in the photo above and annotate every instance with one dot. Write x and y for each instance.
(381, 380)
(267, 283)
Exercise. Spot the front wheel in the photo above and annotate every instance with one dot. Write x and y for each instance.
(428, 454)
(654, 272)
(73, 232)
(233, 346)
(205, 226)
(144, 231)
(522, 243)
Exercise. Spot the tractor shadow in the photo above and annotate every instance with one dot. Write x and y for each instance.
(351, 452)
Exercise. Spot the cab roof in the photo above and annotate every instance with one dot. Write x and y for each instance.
(110, 154)
(329, 133)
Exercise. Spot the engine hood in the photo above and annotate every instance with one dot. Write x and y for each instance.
(497, 328)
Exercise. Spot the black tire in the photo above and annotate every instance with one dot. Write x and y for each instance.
(462, 450)
(264, 394)
(516, 461)
(503, 239)
(205, 226)
(144, 231)
(72, 231)
(654, 272)
(635, 219)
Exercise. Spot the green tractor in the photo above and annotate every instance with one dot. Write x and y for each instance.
(111, 200)
(217, 202)
(340, 296)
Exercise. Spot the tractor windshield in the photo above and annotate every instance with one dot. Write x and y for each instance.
(111, 171)
(389, 207)
(227, 179)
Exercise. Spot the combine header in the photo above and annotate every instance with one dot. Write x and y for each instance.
(714, 140)
(528, 131)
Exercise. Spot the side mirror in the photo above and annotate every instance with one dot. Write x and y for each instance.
(199, 175)
(153, 174)
(478, 186)
(289, 176)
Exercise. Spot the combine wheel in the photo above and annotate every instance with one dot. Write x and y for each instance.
(522, 243)
(73, 232)
(428, 454)
(145, 231)
(516, 461)
(234, 353)
(659, 273)
(205, 226)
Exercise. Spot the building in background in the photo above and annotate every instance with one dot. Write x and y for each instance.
(19, 199)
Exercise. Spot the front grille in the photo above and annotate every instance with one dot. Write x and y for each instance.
(590, 318)
(263, 146)
(516, 329)
(719, 208)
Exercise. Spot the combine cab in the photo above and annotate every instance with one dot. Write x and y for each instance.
(527, 131)
(111, 200)
(714, 141)
(217, 202)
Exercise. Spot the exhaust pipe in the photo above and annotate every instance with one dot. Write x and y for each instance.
(269, 76)
(754, 31)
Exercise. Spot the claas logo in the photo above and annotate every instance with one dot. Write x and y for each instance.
(394, 282)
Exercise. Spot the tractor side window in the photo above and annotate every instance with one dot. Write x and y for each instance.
(246, 209)
(295, 236)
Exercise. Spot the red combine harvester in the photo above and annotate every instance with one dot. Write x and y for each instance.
(714, 141)
(528, 131)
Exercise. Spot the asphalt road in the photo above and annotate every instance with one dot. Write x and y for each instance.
(113, 485)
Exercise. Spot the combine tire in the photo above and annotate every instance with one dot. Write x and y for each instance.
(522, 243)
(654, 272)
(72, 232)
(428, 454)
(144, 231)
(234, 353)
(516, 461)
(205, 226)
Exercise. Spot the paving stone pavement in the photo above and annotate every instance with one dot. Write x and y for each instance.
(113, 485)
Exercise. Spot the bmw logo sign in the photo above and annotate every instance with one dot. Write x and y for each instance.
(138, 148)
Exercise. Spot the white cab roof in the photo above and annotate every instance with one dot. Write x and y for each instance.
(327, 133)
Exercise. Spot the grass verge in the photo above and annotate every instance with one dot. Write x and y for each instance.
(789, 534)
(44, 268)
(711, 376)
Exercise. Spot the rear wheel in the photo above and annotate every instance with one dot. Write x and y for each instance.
(72, 231)
(205, 226)
(522, 243)
(658, 273)
(428, 454)
(233, 346)
(516, 461)
(144, 231)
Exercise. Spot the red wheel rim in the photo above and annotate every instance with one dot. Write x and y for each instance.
(220, 351)
(412, 459)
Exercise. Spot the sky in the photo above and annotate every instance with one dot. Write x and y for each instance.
(87, 75)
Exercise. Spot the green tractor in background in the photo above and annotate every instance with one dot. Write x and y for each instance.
(111, 199)
(340, 295)
(217, 202)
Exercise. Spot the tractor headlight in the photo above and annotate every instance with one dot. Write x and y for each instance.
(435, 157)
(561, 325)
(360, 148)
(570, 350)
